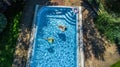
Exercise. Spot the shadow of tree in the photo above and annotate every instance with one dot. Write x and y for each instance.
(21, 52)
(93, 44)
(117, 42)
(12, 10)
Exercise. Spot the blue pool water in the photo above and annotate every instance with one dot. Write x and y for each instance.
(62, 51)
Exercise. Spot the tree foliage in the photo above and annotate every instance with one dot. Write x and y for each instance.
(3, 22)
(108, 20)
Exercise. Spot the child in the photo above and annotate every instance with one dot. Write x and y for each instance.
(50, 40)
(62, 28)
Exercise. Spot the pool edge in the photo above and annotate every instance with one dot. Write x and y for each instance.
(80, 42)
(33, 33)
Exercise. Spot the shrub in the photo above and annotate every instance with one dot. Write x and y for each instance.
(107, 23)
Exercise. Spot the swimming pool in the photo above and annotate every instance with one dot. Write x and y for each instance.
(55, 39)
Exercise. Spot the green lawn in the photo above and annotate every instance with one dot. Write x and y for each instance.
(116, 64)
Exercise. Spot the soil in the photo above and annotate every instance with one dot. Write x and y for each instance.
(99, 52)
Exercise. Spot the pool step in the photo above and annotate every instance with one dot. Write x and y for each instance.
(69, 16)
(55, 16)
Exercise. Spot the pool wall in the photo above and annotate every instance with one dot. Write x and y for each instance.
(80, 56)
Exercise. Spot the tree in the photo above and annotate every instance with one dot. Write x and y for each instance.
(3, 22)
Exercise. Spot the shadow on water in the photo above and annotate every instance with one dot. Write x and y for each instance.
(62, 36)
(51, 49)
(93, 46)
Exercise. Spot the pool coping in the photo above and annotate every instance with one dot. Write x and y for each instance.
(79, 36)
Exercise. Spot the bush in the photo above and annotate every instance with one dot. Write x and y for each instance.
(113, 5)
(108, 24)
(8, 40)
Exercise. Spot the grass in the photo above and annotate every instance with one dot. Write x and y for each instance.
(8, 40)
(116, 64)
